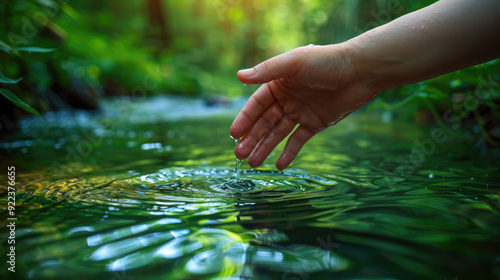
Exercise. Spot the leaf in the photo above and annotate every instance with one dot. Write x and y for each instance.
(431, 92)
(8, 49)
(18, 102)
(70, 11)
(34, 49)
(5, 80)
(5, 47)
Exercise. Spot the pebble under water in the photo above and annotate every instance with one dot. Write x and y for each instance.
(148, 191)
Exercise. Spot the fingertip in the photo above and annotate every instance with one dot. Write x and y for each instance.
(237, 130)
(249, 72)
(239, 153)
(239, 156)
(283, 162)
(245, 75)
(279, 167)
(253, 160)
(253, 163)
(234, 133)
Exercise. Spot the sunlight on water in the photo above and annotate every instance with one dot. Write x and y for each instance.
(161, 198)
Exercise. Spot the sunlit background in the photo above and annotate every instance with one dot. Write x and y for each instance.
(70, 53)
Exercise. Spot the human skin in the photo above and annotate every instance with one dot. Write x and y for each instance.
(315, 87)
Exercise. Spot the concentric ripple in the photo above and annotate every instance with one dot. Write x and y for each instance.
(220, 182)
(157, 198)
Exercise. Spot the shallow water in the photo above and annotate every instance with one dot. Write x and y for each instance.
(148, 191)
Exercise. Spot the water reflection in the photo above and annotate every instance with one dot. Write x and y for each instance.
(223, 253)
(297, 224)
(157, 199)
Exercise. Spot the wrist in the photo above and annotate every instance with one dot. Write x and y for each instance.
(373, 61)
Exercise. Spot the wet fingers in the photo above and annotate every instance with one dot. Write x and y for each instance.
(293, 146)
(270, 141)
(261, 128)
(256, 105)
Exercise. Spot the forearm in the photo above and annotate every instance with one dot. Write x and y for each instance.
(443, 37)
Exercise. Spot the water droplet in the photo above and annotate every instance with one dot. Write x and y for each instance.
(472, 178)
(238, 163)
(431, 175)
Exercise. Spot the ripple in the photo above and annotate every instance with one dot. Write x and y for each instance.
(216, 182)
(172, 192)
(212, 250)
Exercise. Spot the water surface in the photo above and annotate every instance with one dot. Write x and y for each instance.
(147, 190)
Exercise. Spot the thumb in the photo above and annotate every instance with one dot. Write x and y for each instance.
(280, 66)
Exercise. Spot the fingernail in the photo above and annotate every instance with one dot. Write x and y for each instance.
(247, 72)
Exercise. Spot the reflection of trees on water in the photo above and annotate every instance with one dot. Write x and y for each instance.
(225, 253)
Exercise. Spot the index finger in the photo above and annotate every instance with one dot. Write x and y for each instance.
(256, 105)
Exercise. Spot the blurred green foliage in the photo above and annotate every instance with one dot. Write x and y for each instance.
(198, 45)
(138, 47)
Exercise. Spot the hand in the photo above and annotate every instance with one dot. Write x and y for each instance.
(313, 87)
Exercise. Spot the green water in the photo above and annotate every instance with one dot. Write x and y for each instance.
(149, 191)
